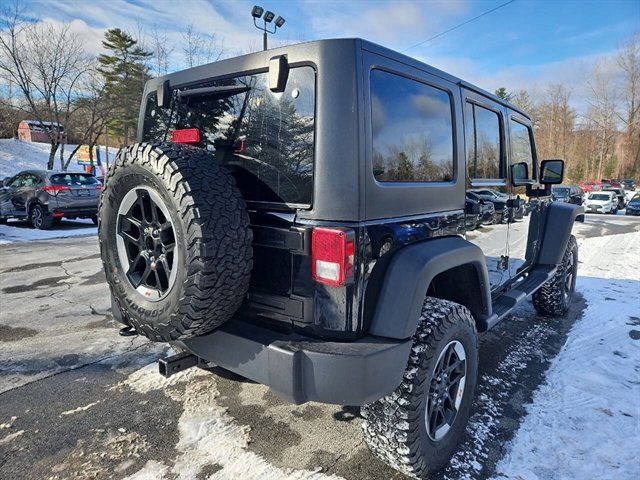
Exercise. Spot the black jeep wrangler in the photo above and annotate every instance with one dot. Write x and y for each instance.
(297, 216)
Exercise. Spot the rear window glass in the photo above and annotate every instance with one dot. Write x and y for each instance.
(561, 190)
(412, 130)
(265, 139)
(73, 179)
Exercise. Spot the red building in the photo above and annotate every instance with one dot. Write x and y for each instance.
(33, 131)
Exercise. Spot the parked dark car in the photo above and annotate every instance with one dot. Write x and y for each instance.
(499, 201)
(487, 214)
(622, 199)
(629, 184)
(45, 196)
(633, 207)
(568, 194)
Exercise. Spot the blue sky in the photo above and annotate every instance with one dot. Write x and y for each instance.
(526, 44)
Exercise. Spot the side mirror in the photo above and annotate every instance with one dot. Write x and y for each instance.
(520, 174)
(551, 172)
(6, 181)
(278, 73)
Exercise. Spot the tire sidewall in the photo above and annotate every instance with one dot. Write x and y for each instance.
(439, 452)
(142, 313)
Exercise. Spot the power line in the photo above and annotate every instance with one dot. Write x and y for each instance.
(459, 25)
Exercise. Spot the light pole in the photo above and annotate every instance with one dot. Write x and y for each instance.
(256, 13)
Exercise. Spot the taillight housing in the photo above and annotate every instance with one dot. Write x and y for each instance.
(189, 136)
(332, 256)
(55, 189)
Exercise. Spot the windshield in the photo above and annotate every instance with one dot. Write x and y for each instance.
(265, 139)
(73, 179)
(561, 191)
(636, 198)
(599, 196)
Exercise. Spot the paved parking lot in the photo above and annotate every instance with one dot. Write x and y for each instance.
(79, 401)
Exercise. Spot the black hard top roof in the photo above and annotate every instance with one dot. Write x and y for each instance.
(365, 45)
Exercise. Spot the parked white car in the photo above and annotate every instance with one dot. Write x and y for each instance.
(601, 202)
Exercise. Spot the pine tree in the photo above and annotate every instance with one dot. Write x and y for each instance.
(125, 73)
(503, 94)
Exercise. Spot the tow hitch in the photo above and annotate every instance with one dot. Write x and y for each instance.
(176, 363)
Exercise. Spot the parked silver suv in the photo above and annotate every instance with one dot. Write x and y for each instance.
(46, 196)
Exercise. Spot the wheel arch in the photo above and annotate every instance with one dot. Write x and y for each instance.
(450, 268)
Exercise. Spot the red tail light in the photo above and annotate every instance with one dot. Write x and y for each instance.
(332, 256)
(99, 186)
(55, 189)
(190, 136)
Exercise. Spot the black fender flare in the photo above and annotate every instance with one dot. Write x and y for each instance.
(409, 274)
(558, 223)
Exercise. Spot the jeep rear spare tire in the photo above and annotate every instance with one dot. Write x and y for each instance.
(175, 240)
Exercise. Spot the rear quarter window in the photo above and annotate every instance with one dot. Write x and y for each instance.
(412, 130)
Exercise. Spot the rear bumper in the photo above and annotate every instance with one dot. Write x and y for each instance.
(302, 369)
(74, 211)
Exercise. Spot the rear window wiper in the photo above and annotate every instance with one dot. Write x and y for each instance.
(213, 92)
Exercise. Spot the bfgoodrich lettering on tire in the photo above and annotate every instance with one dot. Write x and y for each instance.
(417, 428)
(175, 240)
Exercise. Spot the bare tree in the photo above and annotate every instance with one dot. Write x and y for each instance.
(629, 63)
(93, 111)
(161, 49)
(45, 62)
(200, 48)
(602, 117)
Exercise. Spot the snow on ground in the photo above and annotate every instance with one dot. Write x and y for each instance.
(22, 231)
(584, 421)
(16, 156)
(208, 434)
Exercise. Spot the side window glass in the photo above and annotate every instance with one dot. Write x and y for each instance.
(521, 150)
(17, 181)
(412, 130)
(30, 181)
(483, 142)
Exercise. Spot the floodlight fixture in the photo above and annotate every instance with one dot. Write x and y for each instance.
(256, 11)
(268, 17)
(279, 22)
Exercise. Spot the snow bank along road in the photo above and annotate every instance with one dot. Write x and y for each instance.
(557, 398)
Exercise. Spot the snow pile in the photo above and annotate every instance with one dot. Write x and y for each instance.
(21, 231)
(584, 420)
(16, 156)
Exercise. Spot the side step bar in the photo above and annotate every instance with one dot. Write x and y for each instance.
(176, 363)
(523, 289)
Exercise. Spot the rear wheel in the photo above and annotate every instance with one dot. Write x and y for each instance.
(554, 297)
(417, 428)
(40, 219)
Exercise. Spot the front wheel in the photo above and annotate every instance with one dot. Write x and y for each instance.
(554, 297)
(417, 428)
